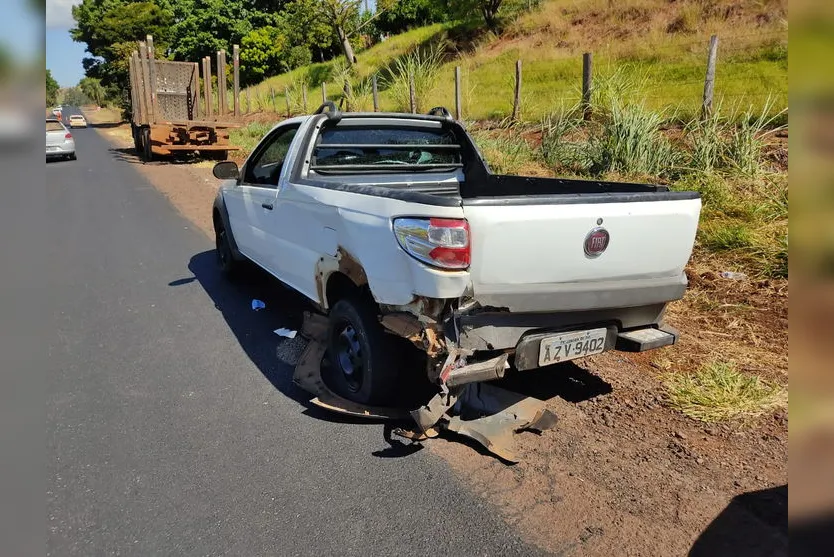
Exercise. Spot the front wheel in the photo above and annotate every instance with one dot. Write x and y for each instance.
(223, 247)
(362, 354)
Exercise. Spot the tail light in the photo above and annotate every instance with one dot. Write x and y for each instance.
(68, 136)
(442, 243)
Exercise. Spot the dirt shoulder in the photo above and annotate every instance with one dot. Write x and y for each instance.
(622, 473)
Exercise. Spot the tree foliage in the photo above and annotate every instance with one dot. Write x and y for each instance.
(396, 16)
(111, 28)
(93, 89)
(74, 96)
(51, 89)
(202, 27)
(274, 35)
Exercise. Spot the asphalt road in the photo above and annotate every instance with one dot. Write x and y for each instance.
(173, 427)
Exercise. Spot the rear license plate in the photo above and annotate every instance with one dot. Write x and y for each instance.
(569, 346)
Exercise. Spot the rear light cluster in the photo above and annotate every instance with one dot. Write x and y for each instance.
(442, 243)
(68, 136)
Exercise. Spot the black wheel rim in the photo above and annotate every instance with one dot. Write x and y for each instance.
(349, 357)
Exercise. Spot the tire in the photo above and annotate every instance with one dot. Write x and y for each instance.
(137, 140)
(221, 155)
(72, 157)
(223, 248)
(362, 355)
(146, 145)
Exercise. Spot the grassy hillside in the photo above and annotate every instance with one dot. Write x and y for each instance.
(657, 47)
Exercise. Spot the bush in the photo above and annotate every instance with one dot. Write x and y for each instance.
(424, 65)
(630, 141)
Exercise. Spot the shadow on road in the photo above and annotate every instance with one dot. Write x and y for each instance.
(566, 380)
(128, 155)
(274, 356)
(754, 524)
(105, 125)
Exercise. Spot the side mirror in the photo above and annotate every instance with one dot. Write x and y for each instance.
(226, 170)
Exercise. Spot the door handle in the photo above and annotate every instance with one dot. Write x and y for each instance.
(267, 206)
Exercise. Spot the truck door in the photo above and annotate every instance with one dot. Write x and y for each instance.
(256, 198)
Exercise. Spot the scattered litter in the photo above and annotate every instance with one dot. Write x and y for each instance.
(257, 304)
(732, 275)
(288, 333)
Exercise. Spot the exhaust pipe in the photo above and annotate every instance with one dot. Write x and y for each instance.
(488, 370)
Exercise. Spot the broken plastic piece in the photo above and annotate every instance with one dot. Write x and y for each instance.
(258, 305)
(288, 333)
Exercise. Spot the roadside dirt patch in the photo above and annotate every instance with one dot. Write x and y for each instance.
(621, 474)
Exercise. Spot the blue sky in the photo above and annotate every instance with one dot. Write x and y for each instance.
(63, 55)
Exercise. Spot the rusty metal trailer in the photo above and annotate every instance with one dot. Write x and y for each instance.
(169, 115)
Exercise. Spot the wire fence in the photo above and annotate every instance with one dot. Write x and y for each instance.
(749, 72)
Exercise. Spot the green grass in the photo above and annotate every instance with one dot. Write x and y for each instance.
(718, 392)
(247, 137)
(370, 61)
(666, 68)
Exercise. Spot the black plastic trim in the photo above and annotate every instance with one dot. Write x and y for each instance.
(527, 350)
(220, 205)
(581, 198)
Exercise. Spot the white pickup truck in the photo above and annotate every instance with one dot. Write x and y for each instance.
(394, 226)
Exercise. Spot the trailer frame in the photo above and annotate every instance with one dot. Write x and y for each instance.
(169, 115)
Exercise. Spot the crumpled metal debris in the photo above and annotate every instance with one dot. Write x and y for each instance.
(483, 412)
(307, 375)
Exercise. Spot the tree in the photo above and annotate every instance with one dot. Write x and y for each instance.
(396, 16)
(343, 16)
(92, 88)
(202, 27)
(74, 96)
(490, 10)
(261, 53)
(111, 28)
(51, 89)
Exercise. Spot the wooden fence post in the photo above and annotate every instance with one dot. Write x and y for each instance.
(517, 98)
(347, 92)
(287, 97)
(587, 69)
(222, 107)
(274, 107)
(196, 93)
(304, 96)
(323, 92)
(412, 100)
(376, 94)
(153, 85)
(248, 101)
(457, 93)
(709, 81)
(207, 86)
(236, 70)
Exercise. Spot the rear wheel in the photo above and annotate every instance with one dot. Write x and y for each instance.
(137, 140)
(362, 355)
(146, 145)
(72, 157)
